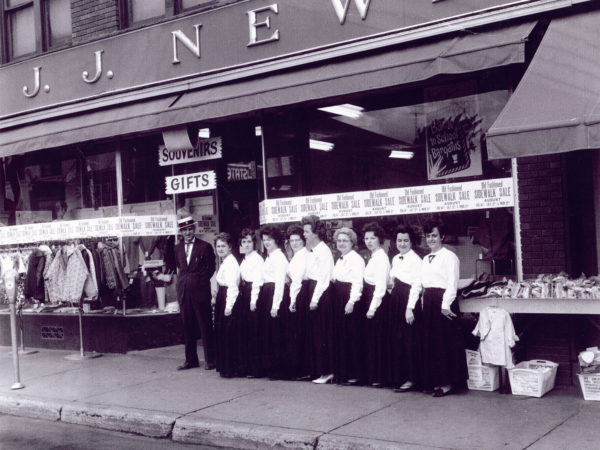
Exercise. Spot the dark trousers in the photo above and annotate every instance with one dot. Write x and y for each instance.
(197, 319)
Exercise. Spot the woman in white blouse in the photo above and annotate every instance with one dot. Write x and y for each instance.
(273, 305)
(348, 310)
(299, 337)
(375, 296)
(405, 311)
(228, 278)
(320, 269)
(443, 348)
(251, 279)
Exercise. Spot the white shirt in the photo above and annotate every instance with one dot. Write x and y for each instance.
(229, 275)
(320, 269)
(188, 249)
(497, 336)
(251, 272)
(296, 271)
(274, 271)
(407, 268)
(441, 271)
(377, 274)
(350, 269)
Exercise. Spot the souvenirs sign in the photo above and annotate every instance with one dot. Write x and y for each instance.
(204, 150)
(191, 182)
(89, 228)
(484, 194)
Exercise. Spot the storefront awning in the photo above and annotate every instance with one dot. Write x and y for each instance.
(467, 52)
(556, 107)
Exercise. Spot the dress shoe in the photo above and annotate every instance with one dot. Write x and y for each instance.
(442, 392)
(324, 379)
(188, 365)
(351, 382)
(408, 386)
(209, 366)
(302, 378)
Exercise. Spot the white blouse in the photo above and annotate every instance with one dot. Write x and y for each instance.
(229, 275)
(441, 270)
(350, 269)
(274, 271)
(407, 268)
(296, 272)
(320, 269)
(377, 273)
(251, 272)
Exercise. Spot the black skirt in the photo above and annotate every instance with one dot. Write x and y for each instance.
(320, 321)
(348, 335)
(299, 334)
(225, 336)
(377, 342)
(272, 333)
(443, 345)
(406, 343)
(245, 335)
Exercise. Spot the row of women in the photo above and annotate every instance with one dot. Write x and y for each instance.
(376, 323)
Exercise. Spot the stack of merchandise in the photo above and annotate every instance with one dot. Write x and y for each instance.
(549, 286)
(589, 373)
(482, 377)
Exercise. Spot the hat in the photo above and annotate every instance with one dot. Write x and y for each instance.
(186, 222)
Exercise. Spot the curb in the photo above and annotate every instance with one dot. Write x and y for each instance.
(204, 431)
(28, 407)
(338, 442)
(144, 422)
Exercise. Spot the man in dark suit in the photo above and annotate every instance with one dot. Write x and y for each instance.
(195, 266)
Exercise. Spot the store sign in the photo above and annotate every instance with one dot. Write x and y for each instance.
(484, 194)
(241, 171)
(205, 149)
(234, 41)
(191, 182)
(89, 228)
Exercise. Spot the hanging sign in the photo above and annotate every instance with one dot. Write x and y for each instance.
(125, 226)
(191, 182)
(204, 150)
(483, 194)
(241, 171)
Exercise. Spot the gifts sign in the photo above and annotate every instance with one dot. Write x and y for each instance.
(453, 135)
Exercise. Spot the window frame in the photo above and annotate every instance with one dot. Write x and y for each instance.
(172, 8)
(41, 25)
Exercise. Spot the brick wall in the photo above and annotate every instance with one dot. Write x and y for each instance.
(544, 226)
(93, 19)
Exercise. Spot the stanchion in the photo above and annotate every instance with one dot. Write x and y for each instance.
(22, 350)
(81, 355)
(11, 292)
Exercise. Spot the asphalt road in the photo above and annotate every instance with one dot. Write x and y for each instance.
(18, 433)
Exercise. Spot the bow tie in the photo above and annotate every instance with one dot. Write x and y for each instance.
(431, 257)
(401, 257)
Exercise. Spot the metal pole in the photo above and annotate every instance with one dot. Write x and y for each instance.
(11, 291)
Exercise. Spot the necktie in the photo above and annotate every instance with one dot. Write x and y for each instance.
(431, 257)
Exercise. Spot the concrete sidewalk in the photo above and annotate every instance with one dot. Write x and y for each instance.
(142, 393)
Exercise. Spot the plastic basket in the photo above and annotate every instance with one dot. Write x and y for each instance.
(533, 378)
(590, 385)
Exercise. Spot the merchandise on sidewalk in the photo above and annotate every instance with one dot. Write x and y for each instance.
(533, 378)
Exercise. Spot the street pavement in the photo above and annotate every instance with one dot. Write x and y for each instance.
(142, 393)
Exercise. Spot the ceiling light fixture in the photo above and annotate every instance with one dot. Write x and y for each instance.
(347, 109)
(320, 145)
(258, 130)
(204, 133)
(401, 154)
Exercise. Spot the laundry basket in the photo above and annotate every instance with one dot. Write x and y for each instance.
(533, 378)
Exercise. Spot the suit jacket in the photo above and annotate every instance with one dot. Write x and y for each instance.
(193, 279)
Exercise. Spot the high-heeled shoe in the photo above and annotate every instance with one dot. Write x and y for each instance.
(324, 379)
(408, 386)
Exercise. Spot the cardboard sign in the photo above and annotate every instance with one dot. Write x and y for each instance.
(205, 150)
(191, 182)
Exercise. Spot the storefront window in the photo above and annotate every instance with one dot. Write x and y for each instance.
(59, 21)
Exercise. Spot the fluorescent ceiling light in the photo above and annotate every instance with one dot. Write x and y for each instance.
(258, 130)
(204, 133)
(401, 154)
(346, 109)
(321, 145)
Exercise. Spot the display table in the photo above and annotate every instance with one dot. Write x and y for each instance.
(532, 305)
(103, 333)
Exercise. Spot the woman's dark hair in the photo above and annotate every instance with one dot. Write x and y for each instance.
(407, 229)
(274, 233)
(376, 229)
(247, 232)
(295, 230)
(316, 226)
(435, 223)
(225, 237)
